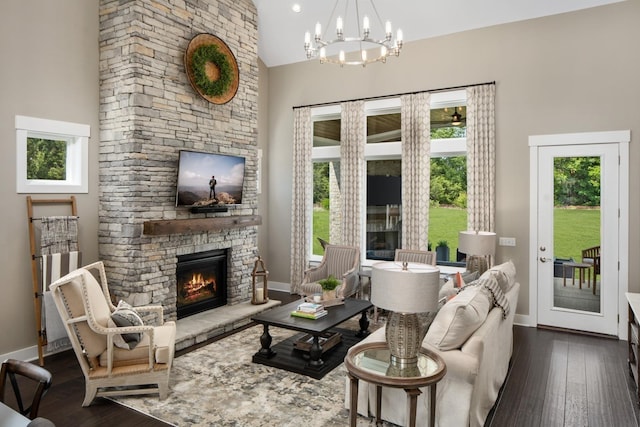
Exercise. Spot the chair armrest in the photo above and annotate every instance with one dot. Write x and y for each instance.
(110, 332)
(315, 273)
(350, 283)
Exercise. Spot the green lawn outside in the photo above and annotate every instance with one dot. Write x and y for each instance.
(320, 228)
(575, 229)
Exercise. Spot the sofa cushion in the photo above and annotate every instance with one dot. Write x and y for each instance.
(459, 318)
(123, 316)
(504, 273)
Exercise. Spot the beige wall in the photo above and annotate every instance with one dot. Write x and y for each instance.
(49, 70)
(575, 72)
(263, 123)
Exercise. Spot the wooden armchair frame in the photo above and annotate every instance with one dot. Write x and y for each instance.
(84, 329)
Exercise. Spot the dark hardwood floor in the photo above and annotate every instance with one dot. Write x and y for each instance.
(555, 379)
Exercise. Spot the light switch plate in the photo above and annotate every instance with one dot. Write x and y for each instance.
(507, 241)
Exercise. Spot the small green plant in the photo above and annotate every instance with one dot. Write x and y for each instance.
(329, 284)
(442, 244)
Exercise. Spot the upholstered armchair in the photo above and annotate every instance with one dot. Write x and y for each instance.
(408, 255)
(115, 360)
(342, 262)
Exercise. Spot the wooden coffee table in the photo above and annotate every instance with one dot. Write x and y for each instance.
(281, 317)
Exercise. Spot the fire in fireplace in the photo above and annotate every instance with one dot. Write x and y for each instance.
(201, 282)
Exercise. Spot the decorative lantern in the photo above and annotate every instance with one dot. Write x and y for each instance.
(259, 291)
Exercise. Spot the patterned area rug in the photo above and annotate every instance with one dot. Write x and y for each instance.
(218, 385)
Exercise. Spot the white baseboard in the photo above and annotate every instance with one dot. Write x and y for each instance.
(27, 354)
(523, 320)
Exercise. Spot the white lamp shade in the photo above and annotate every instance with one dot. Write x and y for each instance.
(477, 242)
(414, 290)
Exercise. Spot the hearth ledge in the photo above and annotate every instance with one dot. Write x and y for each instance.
(181, 226)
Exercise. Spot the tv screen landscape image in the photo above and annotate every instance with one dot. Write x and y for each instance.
(206, 179)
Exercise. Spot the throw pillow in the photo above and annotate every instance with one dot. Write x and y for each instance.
(459, 281)
(447, 291)
(124, 316)
(504, 273)
(458, 319)
(498, 297)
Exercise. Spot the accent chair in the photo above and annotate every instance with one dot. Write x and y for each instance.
(341, 262)
(113, 366)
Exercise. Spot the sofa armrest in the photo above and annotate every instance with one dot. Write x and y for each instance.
(461, 366)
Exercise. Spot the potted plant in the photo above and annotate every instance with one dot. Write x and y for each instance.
(329, 286)
(442, 251)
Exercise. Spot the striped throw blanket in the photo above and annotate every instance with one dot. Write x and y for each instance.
(54, 267)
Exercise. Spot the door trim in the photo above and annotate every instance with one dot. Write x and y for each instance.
(622, 138)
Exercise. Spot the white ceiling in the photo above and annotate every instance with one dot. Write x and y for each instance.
(281, 31)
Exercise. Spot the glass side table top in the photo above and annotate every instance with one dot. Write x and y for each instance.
(372, 361)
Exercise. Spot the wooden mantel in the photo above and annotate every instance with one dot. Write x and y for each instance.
(179, 226)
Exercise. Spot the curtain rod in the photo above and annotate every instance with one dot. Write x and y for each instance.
(370, 98)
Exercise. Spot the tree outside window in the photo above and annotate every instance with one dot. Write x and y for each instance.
(46, 159)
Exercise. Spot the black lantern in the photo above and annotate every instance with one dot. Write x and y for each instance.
(259, 291)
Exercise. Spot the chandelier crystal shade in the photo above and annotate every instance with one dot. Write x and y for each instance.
(362, 45)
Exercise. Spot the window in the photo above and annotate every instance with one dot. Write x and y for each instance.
(326, 173)
(448, 187)
(52, 156)
(382, 192)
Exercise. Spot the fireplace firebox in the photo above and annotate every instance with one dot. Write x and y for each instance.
(201, 282)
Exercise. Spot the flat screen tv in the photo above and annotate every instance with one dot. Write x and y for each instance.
(208, 179)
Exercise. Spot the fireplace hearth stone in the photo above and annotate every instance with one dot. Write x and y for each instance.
(202, 326)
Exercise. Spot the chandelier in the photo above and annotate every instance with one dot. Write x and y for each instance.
(361, 47)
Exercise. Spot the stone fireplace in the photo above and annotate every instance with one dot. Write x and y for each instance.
(148, 113)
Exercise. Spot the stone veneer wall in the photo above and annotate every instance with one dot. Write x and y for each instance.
(149, 112)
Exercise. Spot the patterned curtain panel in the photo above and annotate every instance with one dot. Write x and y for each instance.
(354, 135)
(302, 191)
(481, 157)
(416, 169)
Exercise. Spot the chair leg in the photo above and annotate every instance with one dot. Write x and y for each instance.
(163, 389)
(90, 392)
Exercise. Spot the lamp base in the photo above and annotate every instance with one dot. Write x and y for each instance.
(477, 263)
(404, 338)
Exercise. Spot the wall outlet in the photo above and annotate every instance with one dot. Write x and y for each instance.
(507, 241)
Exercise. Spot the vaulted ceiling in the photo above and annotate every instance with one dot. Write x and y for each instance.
(281, 30)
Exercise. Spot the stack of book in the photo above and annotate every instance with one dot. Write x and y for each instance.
(309, 310)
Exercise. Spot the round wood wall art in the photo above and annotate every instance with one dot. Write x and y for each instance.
(212, 68)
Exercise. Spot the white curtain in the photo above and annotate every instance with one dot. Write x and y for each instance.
(481, 157)
(302, 192)
(353, 131)
(416, 169)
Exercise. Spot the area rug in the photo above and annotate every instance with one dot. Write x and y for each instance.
(219, 385)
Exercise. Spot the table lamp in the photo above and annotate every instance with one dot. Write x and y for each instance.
(404, 289)
(479, 246)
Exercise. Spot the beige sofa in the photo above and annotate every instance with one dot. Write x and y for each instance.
(476, 368)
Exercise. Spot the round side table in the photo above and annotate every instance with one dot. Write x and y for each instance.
(370, 362)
